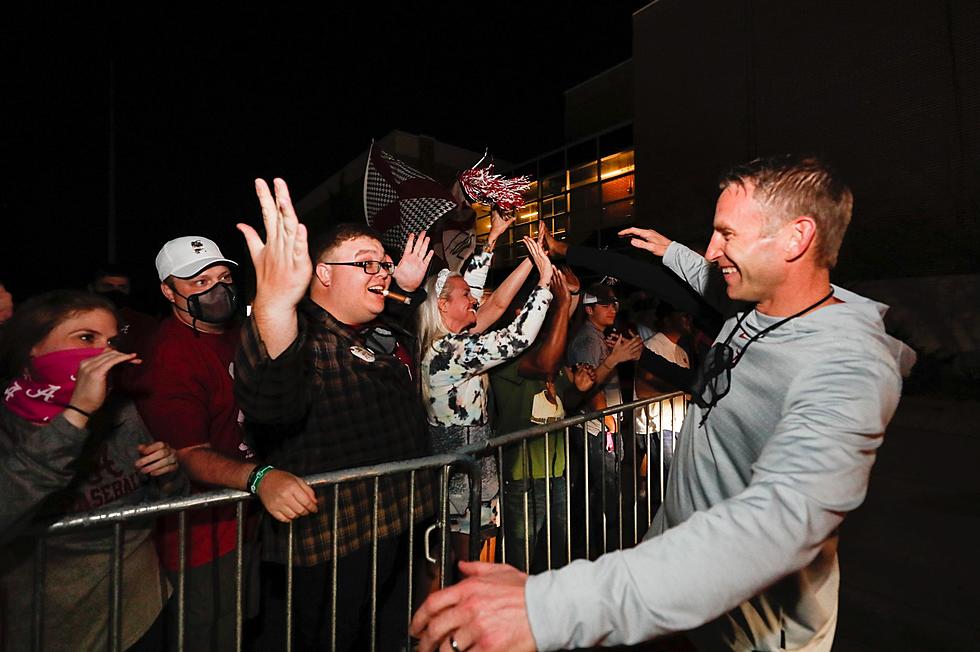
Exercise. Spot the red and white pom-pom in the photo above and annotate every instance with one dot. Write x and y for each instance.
(482, 186)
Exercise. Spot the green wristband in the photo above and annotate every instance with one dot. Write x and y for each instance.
(258, 475)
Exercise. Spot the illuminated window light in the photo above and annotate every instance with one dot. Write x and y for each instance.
(612, 173)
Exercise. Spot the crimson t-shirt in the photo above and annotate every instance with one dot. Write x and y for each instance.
(190, 400)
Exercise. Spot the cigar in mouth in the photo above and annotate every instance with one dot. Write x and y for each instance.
(395, 296)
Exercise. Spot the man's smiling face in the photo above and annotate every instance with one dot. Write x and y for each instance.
(351, 285)
(748, 251)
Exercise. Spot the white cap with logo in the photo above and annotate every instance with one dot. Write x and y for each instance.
(187, 256)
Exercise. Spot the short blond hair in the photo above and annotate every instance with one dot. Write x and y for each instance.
(790, 186)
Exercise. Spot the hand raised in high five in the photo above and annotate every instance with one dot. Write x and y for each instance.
(282, 262)
(499, 223)
(282, 266)
(414, 263)
(648, 239)
(555, 247)
(541, 261)
(559, 288)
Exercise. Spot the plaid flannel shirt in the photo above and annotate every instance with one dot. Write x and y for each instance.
(318, 407)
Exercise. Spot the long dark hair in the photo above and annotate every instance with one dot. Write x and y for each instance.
(34, 319)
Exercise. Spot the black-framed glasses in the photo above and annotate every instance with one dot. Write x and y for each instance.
(369, 266)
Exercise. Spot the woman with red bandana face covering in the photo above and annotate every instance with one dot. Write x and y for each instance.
(68, 445)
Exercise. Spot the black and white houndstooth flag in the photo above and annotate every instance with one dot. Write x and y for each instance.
(399, 200)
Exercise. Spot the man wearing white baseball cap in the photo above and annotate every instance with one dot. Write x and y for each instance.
(190, 404)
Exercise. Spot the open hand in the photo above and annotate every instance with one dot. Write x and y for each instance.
(554, 246)
(414, 262)
(647, 239)
(625, 348)
(541, 261)
(572, 281)
(282, 262)
(559, 288)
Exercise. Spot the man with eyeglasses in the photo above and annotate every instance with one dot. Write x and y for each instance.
(329, 387)
(777, 449)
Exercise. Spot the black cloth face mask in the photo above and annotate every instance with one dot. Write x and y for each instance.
(216, 305)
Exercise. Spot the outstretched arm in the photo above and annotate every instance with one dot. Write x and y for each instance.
(488, 314)
(646, 275)
(472, 354)
(282, 267)
(284, 495)
(648, 240)
(543, 361)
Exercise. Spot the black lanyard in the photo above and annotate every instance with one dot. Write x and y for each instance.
(769, 329)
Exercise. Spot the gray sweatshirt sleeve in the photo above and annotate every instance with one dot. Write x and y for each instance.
(690, 266)
(700, 275)
(809, 474)
(35, 467)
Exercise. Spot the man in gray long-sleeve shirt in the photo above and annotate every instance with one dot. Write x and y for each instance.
(791, 407)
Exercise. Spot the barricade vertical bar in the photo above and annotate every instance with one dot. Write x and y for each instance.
(444, 529)
(636, 487)
(619, 451)
(40, 570)
(474, 470)
(503, 507)
(181, 579)
(588, 494)
(239, 560)
(603, 433)
(547, 499)
(649, 491)
(411, 555)
(660, 447)
(289, 587)
(334, 564)
(374, 564)
(526, 468)
(568, 497)
(115, 579)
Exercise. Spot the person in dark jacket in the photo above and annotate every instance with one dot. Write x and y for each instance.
(67, 446)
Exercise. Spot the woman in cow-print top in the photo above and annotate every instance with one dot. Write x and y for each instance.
(456, 352)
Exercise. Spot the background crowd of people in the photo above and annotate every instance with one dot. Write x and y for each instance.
(188, 395)
(349, 359)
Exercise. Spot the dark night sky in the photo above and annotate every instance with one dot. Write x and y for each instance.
(204, 103)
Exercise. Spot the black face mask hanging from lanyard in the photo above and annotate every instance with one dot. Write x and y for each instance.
(714, 376)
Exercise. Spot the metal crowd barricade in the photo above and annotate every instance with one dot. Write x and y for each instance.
(666, 409)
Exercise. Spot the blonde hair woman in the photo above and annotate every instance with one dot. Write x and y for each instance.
(456, 352)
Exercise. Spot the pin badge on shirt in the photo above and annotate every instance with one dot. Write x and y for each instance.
(364, 354)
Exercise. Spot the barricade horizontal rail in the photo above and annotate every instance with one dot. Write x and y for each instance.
(543, 504)
(218, 497)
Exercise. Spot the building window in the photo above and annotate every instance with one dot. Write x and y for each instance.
(594, 190)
